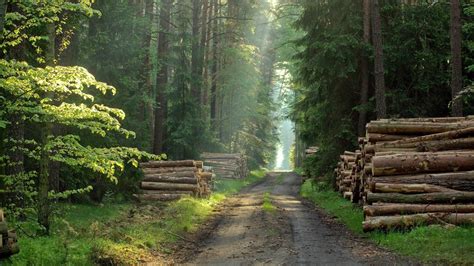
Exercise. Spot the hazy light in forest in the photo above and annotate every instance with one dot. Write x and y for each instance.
(274, 3)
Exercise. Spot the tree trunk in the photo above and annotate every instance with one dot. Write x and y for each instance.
(376, 137)
(159, 134)
(170, 174)
(437, 197)
(3, 12)
(408, 221)
(170, 179)
(43, 177)
(456, 59)
(168, 186)
(158, 164)
(415, 163)
(215, 60)
(169, 170)
(398, 209)
(416, 128)
(203, 51)
(454, 180)
(364, 86)
(147, 65)
(453, 134)
(196, 55)
(407, 188)
(378, 61)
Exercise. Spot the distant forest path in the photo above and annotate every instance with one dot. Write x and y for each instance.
(269, 223)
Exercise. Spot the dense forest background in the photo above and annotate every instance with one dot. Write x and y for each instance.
(90, 88)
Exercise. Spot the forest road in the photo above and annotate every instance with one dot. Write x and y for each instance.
(287, 231)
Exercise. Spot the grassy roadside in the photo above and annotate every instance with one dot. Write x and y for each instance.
(432, 244)
(121, 233)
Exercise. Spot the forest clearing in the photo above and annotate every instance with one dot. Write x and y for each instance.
(214, 132)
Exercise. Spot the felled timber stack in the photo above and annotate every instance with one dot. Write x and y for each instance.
(233, 165)
(170, 180)
(345, 172)
(8, 239)
(415, 171)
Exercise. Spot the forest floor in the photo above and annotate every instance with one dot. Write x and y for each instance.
(268, 223)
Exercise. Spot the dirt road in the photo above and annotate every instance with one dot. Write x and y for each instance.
(287, 232)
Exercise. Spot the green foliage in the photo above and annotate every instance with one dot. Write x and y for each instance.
(59, 95)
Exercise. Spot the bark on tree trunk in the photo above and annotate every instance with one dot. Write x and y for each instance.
(43, 178)
(378, 61)
(170, 179)
(215, 59)
(407, 221)
(456, 59)
(437, 197)
(196, 55)
(407, 188)
(454, 180)
(396, 209)
(422, 162)
(3, 12)
(364, 86)
(159, 134)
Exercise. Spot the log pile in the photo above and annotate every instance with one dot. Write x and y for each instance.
(8, 239)
(170, 180)
(412, 171)
(233, 165)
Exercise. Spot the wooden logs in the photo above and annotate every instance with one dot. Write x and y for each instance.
(398, 209)
(406, 128)
(170, 180)
(454, 180)
(159, 164)
(411, 166)
(227, 165)
(414, 163)
(407, 188)
(407, 221)
(437, 197)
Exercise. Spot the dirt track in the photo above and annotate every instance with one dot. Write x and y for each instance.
(243, 233)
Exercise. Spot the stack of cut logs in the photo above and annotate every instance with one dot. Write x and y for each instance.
(170, 180)
(224, 165)
(8, 239)
(412, 171)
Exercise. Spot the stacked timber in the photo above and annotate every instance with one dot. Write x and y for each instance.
(413, 171)
(224, 165)
(8, 239)
(170, 180)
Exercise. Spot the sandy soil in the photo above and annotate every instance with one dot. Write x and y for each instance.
(296, 233)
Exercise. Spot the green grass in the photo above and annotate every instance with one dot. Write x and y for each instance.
(121, 234)
(336, 206)
(267, 203)
(428, 244)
